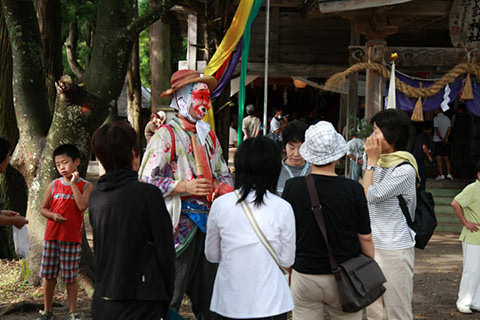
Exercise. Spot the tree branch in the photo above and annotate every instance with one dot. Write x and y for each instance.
(71, 48)
(142, 22)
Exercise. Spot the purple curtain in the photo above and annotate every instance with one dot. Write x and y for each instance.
(474, 105)
(431, 103)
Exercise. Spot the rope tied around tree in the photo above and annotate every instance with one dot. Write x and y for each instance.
(336, 81)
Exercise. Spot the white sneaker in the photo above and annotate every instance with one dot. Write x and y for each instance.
(440, 177)
(449, 177)
(464, 309)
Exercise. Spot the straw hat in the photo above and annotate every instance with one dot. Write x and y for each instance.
(323, 144)
(184, 77)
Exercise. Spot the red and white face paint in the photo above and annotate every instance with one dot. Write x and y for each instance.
(200, 100)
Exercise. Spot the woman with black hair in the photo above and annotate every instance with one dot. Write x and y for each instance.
(249, 284)
(391, 171)
(293, 165)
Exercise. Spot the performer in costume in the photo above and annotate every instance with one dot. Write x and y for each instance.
(184, 160)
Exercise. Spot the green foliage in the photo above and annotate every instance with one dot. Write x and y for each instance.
(85, 12)
(144, 57)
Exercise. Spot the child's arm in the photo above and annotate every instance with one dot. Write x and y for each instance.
(81, 199)
(45, 209)
(459, 212)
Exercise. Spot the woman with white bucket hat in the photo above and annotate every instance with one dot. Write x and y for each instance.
(345, 210)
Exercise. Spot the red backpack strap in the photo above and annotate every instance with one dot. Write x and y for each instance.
(213, 136)
(172, 135)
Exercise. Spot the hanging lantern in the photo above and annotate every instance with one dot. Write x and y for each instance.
(299, 83)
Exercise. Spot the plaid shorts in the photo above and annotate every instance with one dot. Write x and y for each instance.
(63, 256)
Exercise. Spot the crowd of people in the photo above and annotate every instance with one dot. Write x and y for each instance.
(175, 223)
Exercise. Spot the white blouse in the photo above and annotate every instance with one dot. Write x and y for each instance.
(249, 284)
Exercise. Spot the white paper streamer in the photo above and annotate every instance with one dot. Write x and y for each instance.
(392, 100)
(446, 99)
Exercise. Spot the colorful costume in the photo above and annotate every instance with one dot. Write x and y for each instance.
(173, 155)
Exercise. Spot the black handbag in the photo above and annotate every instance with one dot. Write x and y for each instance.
(360, 279)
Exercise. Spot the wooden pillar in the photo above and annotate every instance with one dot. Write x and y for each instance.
(352, 102)
(160, 62)
(374, 82)
(192, 42)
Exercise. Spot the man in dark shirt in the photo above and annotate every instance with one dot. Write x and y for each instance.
(421, 151)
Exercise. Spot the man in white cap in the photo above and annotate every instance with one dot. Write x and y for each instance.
(184, 160)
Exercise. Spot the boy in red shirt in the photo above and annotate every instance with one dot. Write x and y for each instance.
(65, 201)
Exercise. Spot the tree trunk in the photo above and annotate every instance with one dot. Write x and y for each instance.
(160, 61)
(9, 180)
(78, 112)
(134, 90)
(111, 51)
(29, 93)
(50, 24)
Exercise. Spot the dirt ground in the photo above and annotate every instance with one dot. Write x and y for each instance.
(437, 277)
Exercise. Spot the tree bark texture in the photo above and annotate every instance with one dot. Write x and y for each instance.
(29, 92)
(160, 60)
(71, 49)
(134, 94)
(50, 24)
(134, 89)
(111, 51)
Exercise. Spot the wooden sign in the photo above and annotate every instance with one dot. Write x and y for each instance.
(465, 24)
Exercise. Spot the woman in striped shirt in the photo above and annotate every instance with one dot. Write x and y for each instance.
(384, 180)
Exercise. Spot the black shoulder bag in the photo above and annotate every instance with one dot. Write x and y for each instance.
(360, 279)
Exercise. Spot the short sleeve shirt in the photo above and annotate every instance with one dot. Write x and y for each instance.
(346, 215)
(469, 200)
(250, 126)
(274, 124)
(442, 122)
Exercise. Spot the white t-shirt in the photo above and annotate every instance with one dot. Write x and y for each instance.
(274, 124)
(442, 122)
(355, 148)
(232, 137)
(249, 284)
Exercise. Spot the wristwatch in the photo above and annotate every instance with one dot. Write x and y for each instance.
(369, 167)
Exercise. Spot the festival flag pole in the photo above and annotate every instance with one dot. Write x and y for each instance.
(265, 92)
(243, 70)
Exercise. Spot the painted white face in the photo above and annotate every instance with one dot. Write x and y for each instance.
(200, 100)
